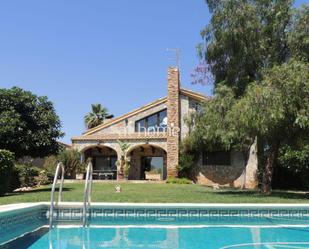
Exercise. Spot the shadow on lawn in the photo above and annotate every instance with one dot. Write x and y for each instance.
(275, 193)
(38, 190)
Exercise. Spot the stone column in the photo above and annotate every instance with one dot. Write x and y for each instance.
(173, 116)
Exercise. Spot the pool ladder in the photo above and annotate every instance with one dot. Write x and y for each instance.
(87, 192)
(60, 168)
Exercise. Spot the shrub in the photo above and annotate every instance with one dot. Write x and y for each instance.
(296, 160)
(50, 165)
(27, 175)
(292, 170)
(173, 180)
(185, 164)
(43, 178)
(71, 161)
(126, 170)
(15, 182)
(6, 170)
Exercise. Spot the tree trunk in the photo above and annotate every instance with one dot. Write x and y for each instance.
(269, 169)
(246, 155)
(244, 173)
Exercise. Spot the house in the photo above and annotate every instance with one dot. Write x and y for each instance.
(153, 133)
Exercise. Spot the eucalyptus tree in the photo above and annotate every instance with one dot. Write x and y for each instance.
(275, 110)
(299, 34)
(256, 51)
(243, 38)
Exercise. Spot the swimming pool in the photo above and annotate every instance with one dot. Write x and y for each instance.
(158, 226)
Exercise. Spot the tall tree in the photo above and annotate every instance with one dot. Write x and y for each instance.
(299, 34)
(29, 125)
(244, 37)
(276, 110)
(97, 115)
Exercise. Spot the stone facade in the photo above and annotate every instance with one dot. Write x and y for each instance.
(83, 145)
(173, 116)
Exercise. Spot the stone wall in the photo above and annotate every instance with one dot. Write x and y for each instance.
(239, 174)
(184, 111)
(173, 116)
(186, 108)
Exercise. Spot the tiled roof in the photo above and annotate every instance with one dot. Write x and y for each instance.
(194, 95)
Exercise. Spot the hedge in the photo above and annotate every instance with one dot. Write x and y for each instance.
(6, 170)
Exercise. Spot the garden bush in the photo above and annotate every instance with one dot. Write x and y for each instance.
(71, 161)
(185, 164)
(27, 175)
(6, 170)
(43, 178)
(14, 181)
(173, 180)
(292, 170)
(50, 165)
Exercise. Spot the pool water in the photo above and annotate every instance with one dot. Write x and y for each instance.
(210, 237)
(213, 227)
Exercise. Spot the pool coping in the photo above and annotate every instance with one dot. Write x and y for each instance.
(18, 206)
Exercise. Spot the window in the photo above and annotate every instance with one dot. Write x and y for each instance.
(140, 125)
(154, 123)
(217, 158)
(163, 118)
(105, 163)
(194, 105)
(153, 164)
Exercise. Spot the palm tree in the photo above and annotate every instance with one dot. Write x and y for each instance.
(97, 115)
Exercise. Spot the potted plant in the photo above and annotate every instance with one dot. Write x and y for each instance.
(126, 169)
(80, 171)
(119, 169)
(123, 165)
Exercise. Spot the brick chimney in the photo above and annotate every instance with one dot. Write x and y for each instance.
(173, 117)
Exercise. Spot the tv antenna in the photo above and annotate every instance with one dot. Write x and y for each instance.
(177, 55)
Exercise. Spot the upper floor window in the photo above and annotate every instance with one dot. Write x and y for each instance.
(194, 105)
(156, 122)
(217, 158)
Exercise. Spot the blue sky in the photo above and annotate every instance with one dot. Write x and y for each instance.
(100, 51)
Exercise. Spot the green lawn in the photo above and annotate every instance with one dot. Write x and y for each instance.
(155, 192)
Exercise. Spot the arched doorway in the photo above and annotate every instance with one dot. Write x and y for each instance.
(148, 162)
(104, 161)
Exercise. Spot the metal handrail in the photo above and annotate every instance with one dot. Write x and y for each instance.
(87, 192)
(52, 195)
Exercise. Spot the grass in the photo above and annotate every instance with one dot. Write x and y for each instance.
(155, 192)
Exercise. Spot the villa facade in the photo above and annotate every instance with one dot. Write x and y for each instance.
(153, 133)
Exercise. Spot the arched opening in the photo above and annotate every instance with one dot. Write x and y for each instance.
(104, 161)
(148, 162)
